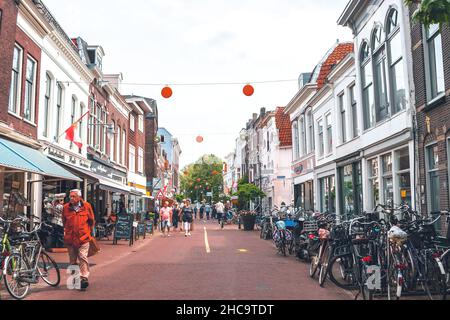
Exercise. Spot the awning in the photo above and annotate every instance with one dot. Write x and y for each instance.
(105, 183)
(16, 156)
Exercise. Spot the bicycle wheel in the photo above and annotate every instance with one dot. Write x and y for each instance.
(48, 270)
(324, 262)
(16, 266)
(313, 266)
(340, 272)
(366, 292)
(436, 282)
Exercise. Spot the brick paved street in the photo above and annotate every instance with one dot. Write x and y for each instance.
(239, 266)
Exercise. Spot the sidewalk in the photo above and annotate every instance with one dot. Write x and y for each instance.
(108, 254)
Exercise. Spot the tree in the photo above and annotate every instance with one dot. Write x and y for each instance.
(431, 11)
(201, 177)
(248, 192)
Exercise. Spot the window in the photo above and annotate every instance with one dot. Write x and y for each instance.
(141, 160)
(162, 139)
(91, 122)
(72, 115)
(59, 111)
(354, 111)
(379, 65)
(367, 87)
(303, 143)
(81, 126)
(435, 63)
(374, 183)
(404, 175)
(321, 137)
(141, 123)
(268, 142)
(351, 197)
(295, 134)
(132, 122)
(329, 133)
(112, 143)
(14, 93)
(387, 178)
(104, 129)
(328, 194)
(433, 181)
(310, 134)
(30, 90)
(118, 146)
(396, 67)
(48, 94)
(132, 160)
(343, 118)
(98, 127)
(124, 145)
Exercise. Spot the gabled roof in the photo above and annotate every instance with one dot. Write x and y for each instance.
(331, 60)
(283, 123)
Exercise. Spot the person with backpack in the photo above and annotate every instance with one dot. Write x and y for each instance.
(187, 217)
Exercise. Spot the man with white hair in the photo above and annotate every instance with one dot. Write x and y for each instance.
(79, 221)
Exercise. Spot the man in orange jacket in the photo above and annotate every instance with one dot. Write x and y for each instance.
(79, 220)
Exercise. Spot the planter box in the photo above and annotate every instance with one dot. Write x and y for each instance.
(249, 222)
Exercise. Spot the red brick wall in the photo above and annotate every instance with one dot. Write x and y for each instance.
(7, 39)
(6, 50)
(137, 139)
(439, 115)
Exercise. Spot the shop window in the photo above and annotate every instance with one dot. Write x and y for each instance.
(433, 181)
(12, 190)
(404, 175)
(387, 178)
(374, 183)
(328, 194)
(351, 190)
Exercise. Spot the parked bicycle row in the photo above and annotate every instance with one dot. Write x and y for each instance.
(23, 260)
(390, 253)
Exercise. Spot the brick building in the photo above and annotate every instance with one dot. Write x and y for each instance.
(431, 57)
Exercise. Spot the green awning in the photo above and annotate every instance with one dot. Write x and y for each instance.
(16, 156)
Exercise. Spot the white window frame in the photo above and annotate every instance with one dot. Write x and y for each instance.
(329, 130)
(295, 134)
(60, 95)
(119, 145)
(430, 97)
(342, 116)
(141, 123)
(73, 114)
(81, 126)
(371, 178)
(141, 160)
(47, 103)
(112, 143)
(18, 84)
(353, 103)
(428, 172)
(132, 122)
(124, 146)
(320, 138)
(132, 159)
(33, 91)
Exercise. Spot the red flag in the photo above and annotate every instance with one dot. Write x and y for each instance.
(70, 135)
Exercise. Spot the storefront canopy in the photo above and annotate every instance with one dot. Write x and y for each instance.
(105, 183)
(19, 157)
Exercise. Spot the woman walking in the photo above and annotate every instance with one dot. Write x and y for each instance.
(175, 216)
(187, 218)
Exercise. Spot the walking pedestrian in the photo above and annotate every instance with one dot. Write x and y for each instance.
(187, 218)
(208, 210)
(79, 221)
(166, 217)
(220, 210)
(202, 211)
(175, 216)
(214, 211)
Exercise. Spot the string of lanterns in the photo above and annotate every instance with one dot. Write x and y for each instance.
(167, 91)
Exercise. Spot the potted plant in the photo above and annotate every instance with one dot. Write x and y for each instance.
(247, 193)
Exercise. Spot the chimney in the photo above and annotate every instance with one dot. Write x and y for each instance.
(114, 80)
(263, 112)
(255, 116)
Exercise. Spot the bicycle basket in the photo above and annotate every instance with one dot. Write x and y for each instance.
(310, 226)
(338, 233)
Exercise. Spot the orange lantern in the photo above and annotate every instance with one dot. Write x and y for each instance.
(249, 90)
(198, 179)
(166, 92)
(199, 139)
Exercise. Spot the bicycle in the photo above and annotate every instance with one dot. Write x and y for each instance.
(28, 263)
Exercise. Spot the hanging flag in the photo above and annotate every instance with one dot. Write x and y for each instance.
(70, 133)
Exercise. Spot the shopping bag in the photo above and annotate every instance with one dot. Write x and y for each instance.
(94, 247)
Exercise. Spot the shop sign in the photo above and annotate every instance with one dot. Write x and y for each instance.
(107, 172)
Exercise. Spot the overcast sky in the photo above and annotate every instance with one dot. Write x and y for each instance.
(198, 41)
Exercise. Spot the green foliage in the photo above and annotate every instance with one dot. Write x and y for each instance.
(248, 192)
(201, 177)
(431, 11)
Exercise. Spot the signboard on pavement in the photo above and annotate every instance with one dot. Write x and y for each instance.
(124, 228)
